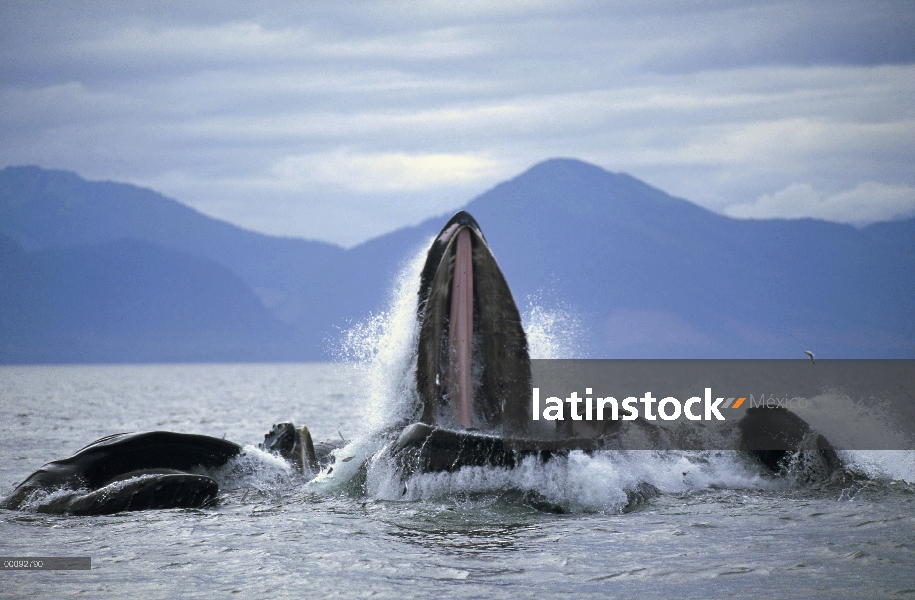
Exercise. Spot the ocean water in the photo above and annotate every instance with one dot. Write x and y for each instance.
(677, 524)
(716, 528)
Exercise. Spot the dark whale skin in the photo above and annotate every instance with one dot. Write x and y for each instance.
(772, 434)
(504, 381)
(159, 460)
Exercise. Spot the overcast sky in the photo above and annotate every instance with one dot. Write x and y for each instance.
(341, 121)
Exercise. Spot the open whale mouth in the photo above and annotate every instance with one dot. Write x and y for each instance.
(473, 368)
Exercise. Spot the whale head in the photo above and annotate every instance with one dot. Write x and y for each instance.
(473, 367)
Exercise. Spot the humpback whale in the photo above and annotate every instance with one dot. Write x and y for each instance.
(156, 469)
(129, 471)
(473, 377)
(296, 446)
(473, 381)
(473, 370)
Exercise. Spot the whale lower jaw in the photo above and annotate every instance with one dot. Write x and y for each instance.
(771, 436)
(423, 448)
(144, 492)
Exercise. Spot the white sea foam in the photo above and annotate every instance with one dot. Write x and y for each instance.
(44, 500)
(847, 423)
(602, 482)
(553, 332)
(882, 464)
(255, 469)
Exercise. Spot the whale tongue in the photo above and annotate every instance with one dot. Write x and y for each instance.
(458, 382)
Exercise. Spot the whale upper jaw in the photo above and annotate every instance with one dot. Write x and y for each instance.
(473, 367)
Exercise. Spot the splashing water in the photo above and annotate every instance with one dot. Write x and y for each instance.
(849, 424)
(551, 332)
(893, 465)
(266, 473)
(384, 348)
(605, 482)
(384, 345)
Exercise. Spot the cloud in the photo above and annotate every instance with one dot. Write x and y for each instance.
(245, 42)
(244, 110)
(868, 202)
(386, 172)
(740, 35)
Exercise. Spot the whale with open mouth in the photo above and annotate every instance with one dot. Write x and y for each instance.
(127, 471)
(473, 380)
(473, 370)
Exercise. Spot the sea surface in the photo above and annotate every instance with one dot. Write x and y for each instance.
(714, 527)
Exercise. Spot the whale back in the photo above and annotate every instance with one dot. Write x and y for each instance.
(108, 459)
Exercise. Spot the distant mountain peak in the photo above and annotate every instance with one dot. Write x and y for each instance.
(572, 186)
(22, 184)
(565, 165)
(567, 170)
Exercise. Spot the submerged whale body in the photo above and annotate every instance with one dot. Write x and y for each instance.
(128, 471)
(295, 445)
(152, 470)
(473, 381)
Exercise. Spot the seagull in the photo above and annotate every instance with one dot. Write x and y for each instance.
(810, 354)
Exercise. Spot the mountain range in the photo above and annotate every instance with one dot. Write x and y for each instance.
(110, 272)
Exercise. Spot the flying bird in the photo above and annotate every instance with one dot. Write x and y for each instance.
(810, 354)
